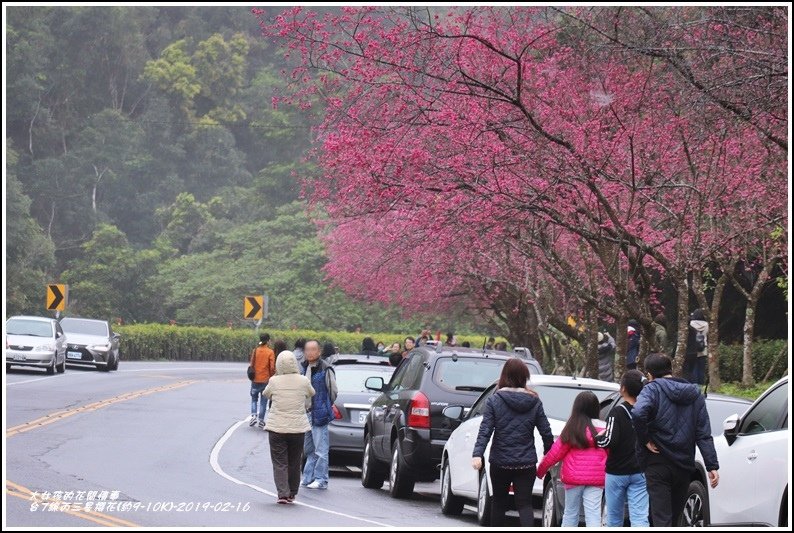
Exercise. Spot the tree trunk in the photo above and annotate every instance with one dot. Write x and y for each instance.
(749, 316)
(747, 349)
(621, 342)
(591, 345)
(715, 380)
(683, 325)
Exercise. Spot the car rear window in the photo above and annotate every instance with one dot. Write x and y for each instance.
(466, 373)
(558, 401)
(84, 327)
(34, 328)
(349, 379)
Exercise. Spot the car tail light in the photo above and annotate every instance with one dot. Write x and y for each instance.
(337, 414)
(419, 412)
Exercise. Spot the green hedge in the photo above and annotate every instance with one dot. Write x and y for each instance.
(193, 343)
(764, 354)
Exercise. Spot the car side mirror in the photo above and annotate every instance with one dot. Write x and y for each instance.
(375, 383)
(58, 334)
(453, 412)
(116, 335)
(730, 428)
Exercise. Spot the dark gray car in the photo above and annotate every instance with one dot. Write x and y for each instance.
(91, 343)
(346, 431)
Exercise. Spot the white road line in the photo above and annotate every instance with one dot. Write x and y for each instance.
(216, 450)
(89, 373)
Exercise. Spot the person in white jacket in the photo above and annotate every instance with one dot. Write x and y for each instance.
(287, 424)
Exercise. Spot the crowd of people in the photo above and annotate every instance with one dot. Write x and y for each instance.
(643, 455)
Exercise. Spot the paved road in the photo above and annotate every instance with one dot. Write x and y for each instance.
(166, 444)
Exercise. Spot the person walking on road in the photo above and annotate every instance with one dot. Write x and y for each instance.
(290, 394)
(633, 345)
(323, 379)
(624, 477)
(263, 360)
(606, 357)
(670, 419)
(583, 462)
(512, 414)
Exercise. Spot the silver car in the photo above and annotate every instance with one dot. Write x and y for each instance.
(35, 341)
(91, 343)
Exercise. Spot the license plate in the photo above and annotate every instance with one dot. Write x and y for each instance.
(74, 355)
(19, 357)
(362, 417)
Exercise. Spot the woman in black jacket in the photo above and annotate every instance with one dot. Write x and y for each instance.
(512, 413)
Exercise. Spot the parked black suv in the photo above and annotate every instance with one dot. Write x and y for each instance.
(405, 430)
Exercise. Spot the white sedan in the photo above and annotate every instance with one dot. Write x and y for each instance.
(461, 483)
(753, 454)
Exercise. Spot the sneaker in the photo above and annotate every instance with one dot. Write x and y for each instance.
(304, 484)
(317, 485)
(261, 424)
(291, 499)
(252, 422)
(283, 500)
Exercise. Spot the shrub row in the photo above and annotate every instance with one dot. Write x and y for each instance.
(193, 343)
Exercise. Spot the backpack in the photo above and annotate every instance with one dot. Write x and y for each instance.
(700, 341)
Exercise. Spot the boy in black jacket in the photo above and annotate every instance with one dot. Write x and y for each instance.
(624, 478)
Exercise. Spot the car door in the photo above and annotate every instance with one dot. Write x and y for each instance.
(400, 396)
(754, 468)
(465, 480)
(378, 411)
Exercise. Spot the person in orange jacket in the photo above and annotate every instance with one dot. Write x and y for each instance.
(263, 360)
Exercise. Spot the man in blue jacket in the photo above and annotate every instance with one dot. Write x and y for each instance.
(670, 418)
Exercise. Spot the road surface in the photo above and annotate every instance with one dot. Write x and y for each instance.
(167, 444)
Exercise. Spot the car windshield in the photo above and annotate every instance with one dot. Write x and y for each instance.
(33, 328)
(467, 373)
(719, 410)
(351, 379)
(84, 327)
(558, 400)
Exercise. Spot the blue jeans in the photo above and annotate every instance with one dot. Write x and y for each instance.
(575, 497)
(256, 397)
(617, 489)
(315, 447)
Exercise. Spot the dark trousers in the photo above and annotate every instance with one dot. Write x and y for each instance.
(286, 450)
(667, 490)
(522, 480)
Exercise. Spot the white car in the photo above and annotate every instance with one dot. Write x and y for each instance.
(35, 341)
(753, 455)
(461, 483)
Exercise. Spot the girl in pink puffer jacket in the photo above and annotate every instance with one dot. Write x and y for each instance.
(583, 463)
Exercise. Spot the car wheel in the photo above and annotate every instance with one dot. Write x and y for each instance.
(372, 476)
(450, 504)
(62, 367)
(783, 520)
(401, 485)
(112, 362)
(116, 361)
(696, 513)
(51, 368)
(106, 367)
(550, 518)
(483, 501)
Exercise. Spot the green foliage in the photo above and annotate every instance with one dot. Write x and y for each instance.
(190, 343)
(765, 352)
(29, 252)
(751, 393)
